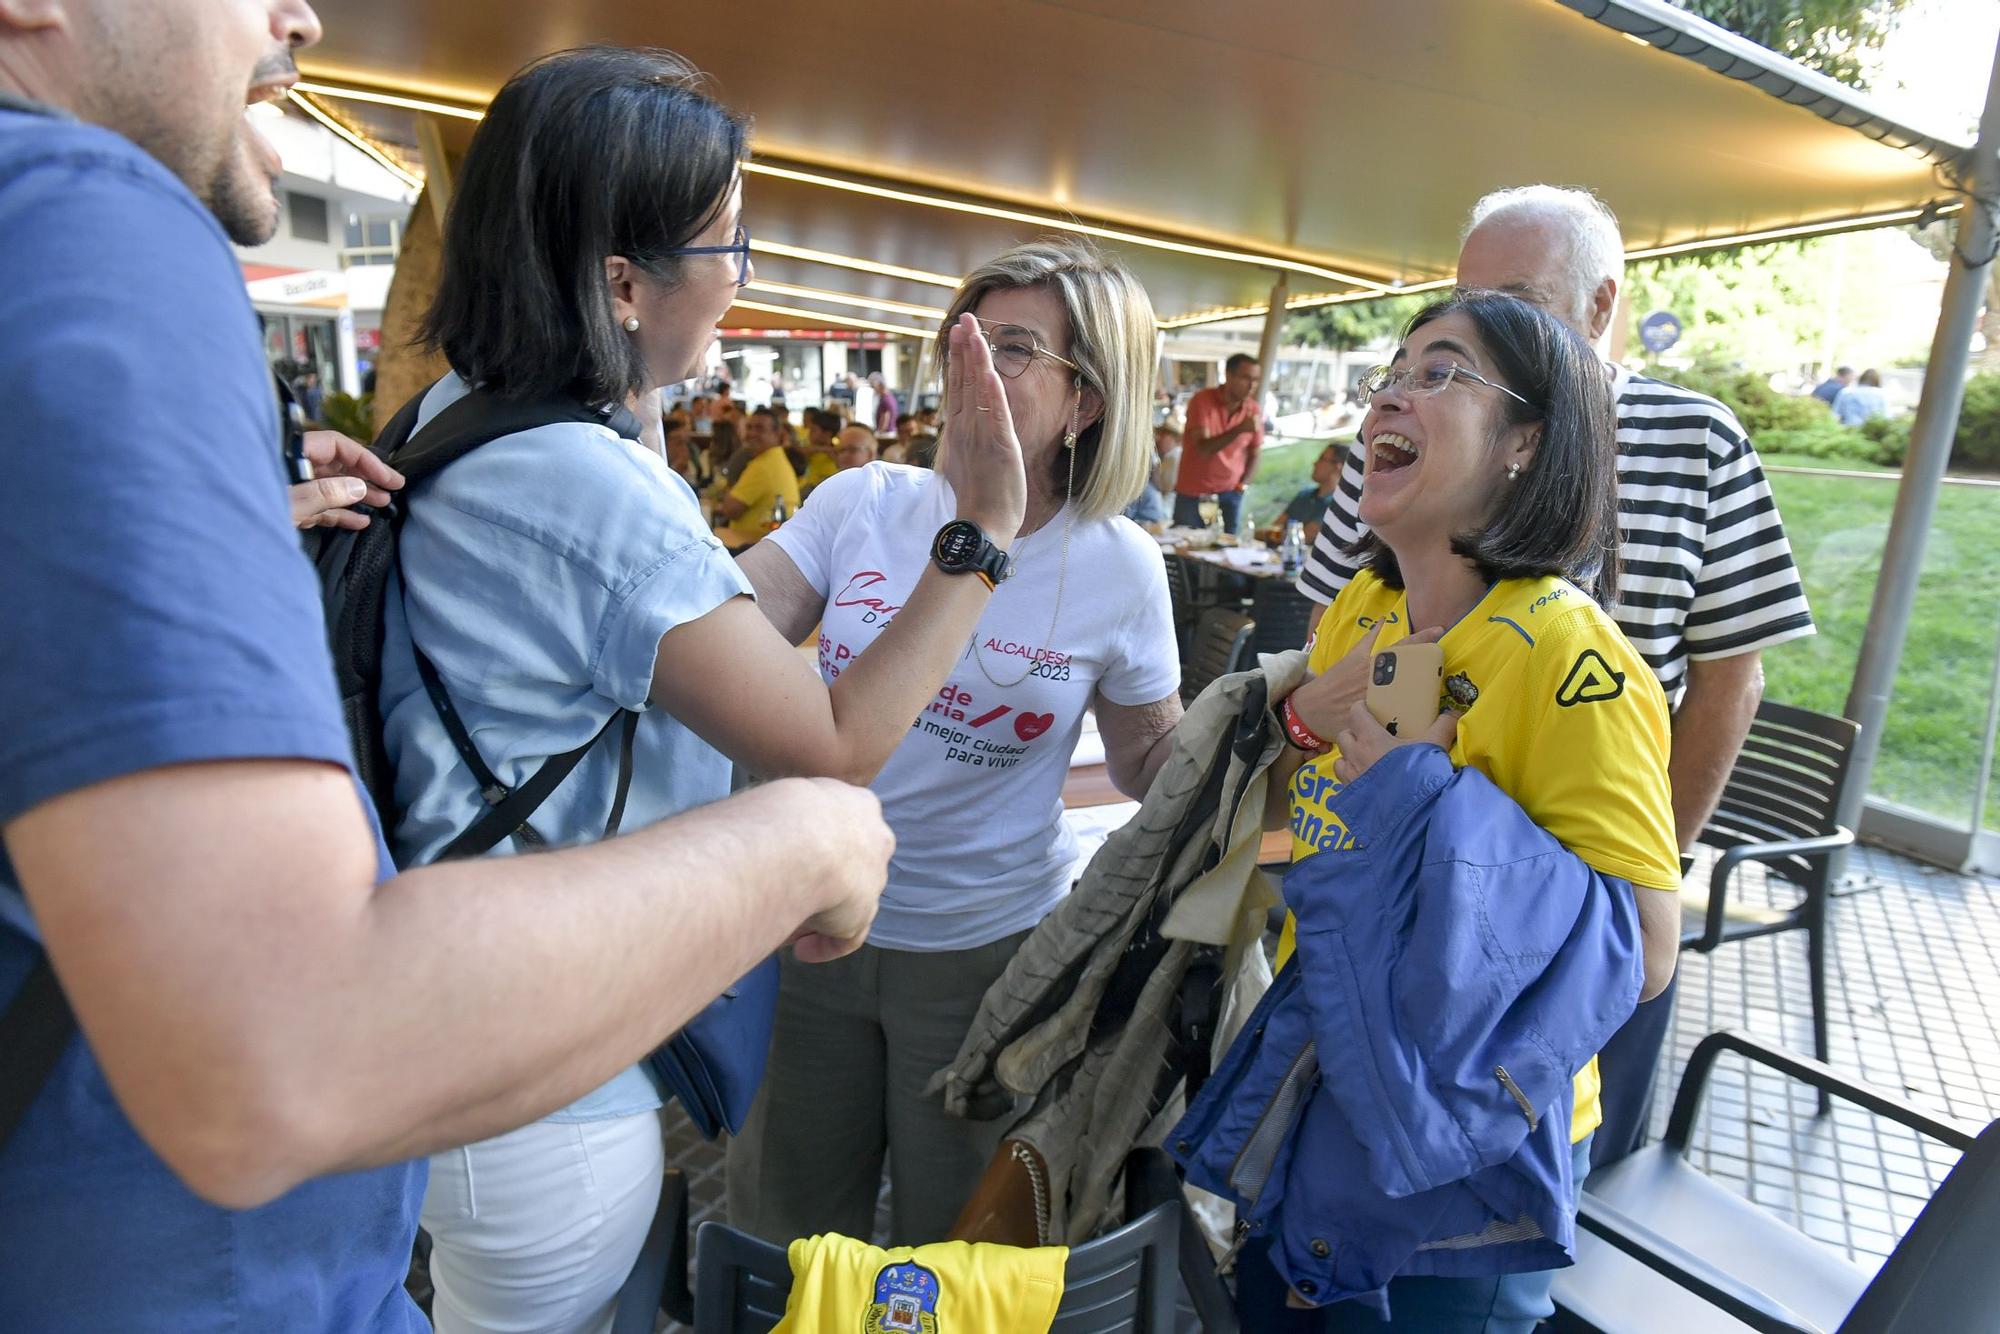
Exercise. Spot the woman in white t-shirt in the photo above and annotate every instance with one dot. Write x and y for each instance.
(973, 793)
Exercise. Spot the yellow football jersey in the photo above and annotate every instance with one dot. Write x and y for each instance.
(1558, 710)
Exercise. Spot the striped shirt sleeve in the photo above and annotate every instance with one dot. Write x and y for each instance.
(1329, 567)
(1747, 595)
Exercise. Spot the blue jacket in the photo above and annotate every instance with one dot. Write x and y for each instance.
(1400, 1101)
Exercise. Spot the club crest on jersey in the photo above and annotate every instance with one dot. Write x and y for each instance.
(1459, 692)
(906, 1297)
(1590, 681)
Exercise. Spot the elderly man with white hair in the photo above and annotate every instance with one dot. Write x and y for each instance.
(1708, 581)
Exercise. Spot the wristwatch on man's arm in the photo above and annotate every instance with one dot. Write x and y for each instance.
(961, 547)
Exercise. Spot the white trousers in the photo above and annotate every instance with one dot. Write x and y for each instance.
(534, 1231)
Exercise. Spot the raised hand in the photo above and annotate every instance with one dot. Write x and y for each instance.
(981, 457)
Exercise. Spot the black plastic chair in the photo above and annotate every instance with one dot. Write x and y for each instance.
(1662, 1249)
(1122, 1281)
(1220, 645)
(1284, 616)
(1779, 809)
(1186, 604)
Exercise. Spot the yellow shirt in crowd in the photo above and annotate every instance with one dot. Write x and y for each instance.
(765, 479)
(819, 467)
(950, 1287)
(1560, 712)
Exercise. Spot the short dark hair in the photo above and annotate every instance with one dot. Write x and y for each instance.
(1561, 514)
(584, 154)
(1237, 362)
(826, 421)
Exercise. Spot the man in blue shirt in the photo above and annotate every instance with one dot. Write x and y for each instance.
(268, 1034)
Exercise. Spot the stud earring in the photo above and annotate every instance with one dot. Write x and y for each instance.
(1513, 471)
(631, 324)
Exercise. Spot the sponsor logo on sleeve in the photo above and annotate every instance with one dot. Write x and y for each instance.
(1591, 680)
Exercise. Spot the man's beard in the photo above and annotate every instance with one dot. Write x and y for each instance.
(243, 200)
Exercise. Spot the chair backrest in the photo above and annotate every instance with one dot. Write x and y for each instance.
(1284, 616)
(1124, 1280)
(740, 1282)
(1221, 645)
(1942, 1276)
(1787, 783)
(1119, 1282)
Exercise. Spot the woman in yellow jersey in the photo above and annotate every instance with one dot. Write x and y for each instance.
(1490, 496)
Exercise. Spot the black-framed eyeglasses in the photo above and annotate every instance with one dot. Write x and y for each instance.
(1431, 377)
(740, 247)
(1015, 347)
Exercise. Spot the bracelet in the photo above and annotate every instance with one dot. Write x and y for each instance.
(1301, 736)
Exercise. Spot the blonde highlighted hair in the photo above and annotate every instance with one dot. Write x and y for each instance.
(1111, 341)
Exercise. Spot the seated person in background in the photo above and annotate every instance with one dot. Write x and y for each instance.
(1861, 400)
(726, 454)
(855, 448)
(1829, 389)
(922, 450)
(1491, 499)
(766, 480)
(1310, 503)
(680, 457)
(821, 428)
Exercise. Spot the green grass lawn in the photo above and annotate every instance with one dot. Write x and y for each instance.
(1937, 715)
(1837, 526)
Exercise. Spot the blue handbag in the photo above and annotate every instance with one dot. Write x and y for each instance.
(715, 1064)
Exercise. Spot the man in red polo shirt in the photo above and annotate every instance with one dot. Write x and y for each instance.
(1219, 448)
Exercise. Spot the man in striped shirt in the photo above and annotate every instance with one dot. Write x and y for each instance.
(1708, 580)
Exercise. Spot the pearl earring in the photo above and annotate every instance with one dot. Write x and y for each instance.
(1513, 471)
(631, 324)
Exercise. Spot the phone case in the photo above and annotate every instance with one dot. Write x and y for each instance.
(1403, 685)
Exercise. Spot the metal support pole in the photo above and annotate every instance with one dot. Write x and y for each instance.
(437, 168)
(1274, 331)
(1930, 449)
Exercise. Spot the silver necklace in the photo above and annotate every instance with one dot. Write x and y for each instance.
(1062, 580)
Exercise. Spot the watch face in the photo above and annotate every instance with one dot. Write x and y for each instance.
(957, 544)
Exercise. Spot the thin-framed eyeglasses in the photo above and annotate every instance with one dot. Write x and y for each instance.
(1431, 377)
(740, 247)
(1015, 347)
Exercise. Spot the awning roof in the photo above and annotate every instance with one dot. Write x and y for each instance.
(1343, 139)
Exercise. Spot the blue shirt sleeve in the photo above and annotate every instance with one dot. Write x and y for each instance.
(158, 607)
(600, 550)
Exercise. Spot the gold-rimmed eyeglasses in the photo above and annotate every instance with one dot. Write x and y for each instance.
(1427, 378)
(1015, 347)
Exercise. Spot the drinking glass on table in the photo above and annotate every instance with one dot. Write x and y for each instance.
(1210, 509)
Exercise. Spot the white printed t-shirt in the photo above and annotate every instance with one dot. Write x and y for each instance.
(974, 792)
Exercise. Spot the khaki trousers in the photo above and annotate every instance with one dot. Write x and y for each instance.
(855, 1042)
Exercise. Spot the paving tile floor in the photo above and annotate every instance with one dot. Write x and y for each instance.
(1914, 1008)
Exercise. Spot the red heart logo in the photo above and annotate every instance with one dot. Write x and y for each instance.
(1028, 726)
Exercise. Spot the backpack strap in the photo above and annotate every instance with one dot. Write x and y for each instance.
(34, 1032)
(457, 430)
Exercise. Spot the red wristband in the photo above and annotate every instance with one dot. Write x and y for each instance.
(1301, 736)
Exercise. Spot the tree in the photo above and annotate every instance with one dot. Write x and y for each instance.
(1841, 39)
(1352, 324)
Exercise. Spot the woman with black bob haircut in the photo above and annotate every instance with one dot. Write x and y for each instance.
(1559, 515)
(1490, 496)
(563, 573)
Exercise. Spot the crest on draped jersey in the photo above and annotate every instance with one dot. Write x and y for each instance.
(906, 1297)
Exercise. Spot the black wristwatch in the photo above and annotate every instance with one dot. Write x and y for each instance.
(962, 548)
